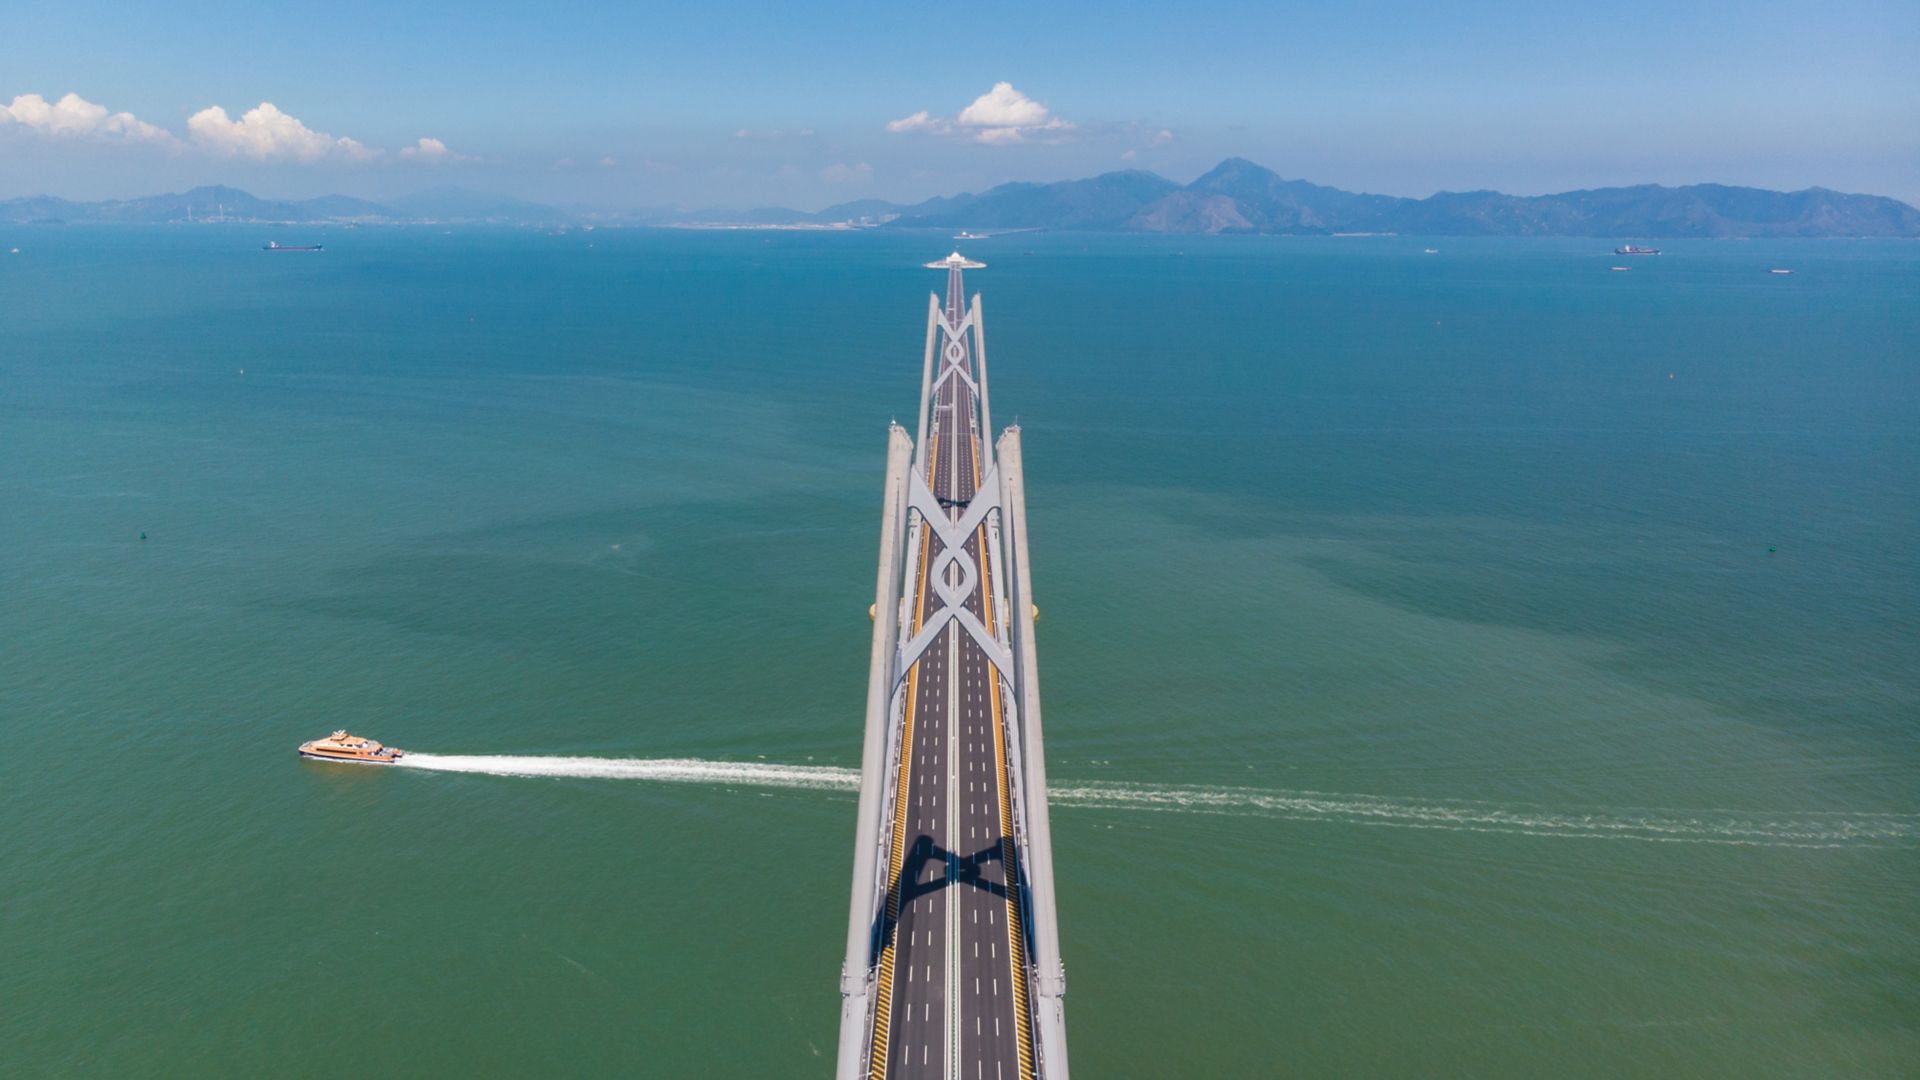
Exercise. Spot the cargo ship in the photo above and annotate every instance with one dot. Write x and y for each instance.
(1631, 250)
(275, 245)
(341, 746)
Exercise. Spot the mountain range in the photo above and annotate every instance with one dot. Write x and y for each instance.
(1236, 196)
(217, 204)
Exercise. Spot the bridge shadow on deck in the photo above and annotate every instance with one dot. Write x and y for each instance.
(907, 887)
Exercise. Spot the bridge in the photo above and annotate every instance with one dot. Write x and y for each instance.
(953, 954)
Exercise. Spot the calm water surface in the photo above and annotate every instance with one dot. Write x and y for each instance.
(1475, 664)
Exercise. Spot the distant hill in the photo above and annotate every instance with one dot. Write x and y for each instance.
(200, 204)
(36, 209)
(344, 207)
(212, 204)
(1236, 196)
(1697, 210)
(1108, 201)
(875, 211)
(464, 205)
(1239, 196)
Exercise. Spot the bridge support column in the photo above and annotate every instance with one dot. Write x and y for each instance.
(856, 982)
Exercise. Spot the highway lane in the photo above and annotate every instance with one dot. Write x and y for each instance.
(955, 1006)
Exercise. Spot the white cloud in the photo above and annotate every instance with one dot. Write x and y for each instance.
(608, 162)
(1000, 116)
(264, 133)
(76, 117)
(842, 173)
(919, 121)
(1005, 107)
(434, 152)
(1000, 135)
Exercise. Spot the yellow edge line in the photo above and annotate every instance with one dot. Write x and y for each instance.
(1016, 936)
(883, 1004)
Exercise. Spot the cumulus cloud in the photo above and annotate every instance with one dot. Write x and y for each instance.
(75, 117)
(1003, 107)
(919, 121)
(264, 133)
(842, 173)
(432, 151)
(1001, 116)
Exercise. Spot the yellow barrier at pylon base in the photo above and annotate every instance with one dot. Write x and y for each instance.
(873, 612)
(1036, 612)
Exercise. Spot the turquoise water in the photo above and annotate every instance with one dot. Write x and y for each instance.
(1476, 663)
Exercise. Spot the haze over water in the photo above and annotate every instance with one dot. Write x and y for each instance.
(1476, 663)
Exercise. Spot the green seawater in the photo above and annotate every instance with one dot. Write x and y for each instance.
(1463, 664)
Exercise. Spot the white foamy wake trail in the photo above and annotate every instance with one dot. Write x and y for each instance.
(1645, 824)
(671, 770)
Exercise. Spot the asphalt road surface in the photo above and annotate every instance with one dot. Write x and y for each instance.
(958, 999)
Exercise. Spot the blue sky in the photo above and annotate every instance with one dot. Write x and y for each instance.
(722, 103)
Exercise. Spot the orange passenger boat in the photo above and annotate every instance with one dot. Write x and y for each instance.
(341, 746)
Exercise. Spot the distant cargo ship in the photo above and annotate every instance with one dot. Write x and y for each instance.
(1631, 250)
(275, 245)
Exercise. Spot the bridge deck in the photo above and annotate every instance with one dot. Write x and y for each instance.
(952, 999)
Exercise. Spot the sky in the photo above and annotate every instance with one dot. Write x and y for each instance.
(626, 106)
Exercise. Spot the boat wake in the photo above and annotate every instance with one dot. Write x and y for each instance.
(1644, 824)
(670, 770)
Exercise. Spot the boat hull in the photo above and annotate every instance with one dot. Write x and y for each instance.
(349, 758)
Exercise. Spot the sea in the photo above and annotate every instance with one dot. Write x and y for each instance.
(1476, 662)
